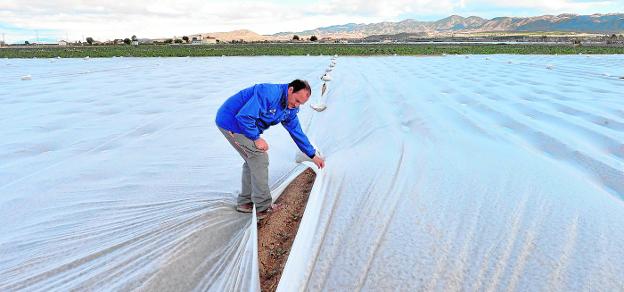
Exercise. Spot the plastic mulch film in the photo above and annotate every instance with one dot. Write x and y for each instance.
(466, 174)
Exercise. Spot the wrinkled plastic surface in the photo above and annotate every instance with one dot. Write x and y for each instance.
(479, 173)
(113, 175)
(442, 173)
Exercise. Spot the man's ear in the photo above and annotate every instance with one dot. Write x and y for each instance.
(290, 90)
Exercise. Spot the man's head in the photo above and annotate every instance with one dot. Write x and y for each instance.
(298, 93)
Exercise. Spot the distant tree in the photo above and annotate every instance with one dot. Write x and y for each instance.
(313, 38)
(168, 41)
(27, 43)
(90, 40)
(178, 41)
(194, 38)
(127, 41)
(134, 38)
(295, 38)
(186, 39)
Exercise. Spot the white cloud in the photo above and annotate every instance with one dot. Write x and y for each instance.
(386, 9)
(547, 7)
(107, 19)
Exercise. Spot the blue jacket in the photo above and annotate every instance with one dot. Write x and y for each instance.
(255, 109)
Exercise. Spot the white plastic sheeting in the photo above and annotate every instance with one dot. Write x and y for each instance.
(113, 175)
(443, 173)
(467, 174)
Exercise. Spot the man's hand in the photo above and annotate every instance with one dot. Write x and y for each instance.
(261, 144)
(319, 161)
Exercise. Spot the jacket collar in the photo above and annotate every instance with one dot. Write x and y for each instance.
(284, 99)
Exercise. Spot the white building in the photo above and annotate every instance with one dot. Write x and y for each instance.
(203, 39)
(208, 40)
(62, 43)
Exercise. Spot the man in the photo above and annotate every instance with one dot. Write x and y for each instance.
(244, 117)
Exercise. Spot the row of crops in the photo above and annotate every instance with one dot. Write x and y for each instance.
(299, 49)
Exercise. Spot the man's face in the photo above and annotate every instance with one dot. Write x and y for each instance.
(295, 99)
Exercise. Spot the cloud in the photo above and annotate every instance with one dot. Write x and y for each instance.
(387, 9)
(544, 7)
(13, 34)
(108, 19)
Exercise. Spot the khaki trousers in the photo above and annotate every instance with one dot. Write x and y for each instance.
(255, 176)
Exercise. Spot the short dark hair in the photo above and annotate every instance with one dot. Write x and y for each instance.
(299, 84)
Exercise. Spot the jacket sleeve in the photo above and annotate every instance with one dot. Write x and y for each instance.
(296, 133)
(248, 115)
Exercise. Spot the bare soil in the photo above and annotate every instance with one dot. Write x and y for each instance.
(276, 232)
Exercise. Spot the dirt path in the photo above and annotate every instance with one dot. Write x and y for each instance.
(276, 233)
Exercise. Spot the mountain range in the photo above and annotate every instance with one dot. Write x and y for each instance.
(595, 23)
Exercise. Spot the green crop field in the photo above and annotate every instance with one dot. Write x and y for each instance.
(298, 49)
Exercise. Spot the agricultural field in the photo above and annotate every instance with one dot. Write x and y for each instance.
(447, 172)
(300, 50)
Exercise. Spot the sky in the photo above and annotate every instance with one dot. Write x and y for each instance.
(52, 20)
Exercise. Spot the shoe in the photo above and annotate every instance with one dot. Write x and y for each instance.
(245, 208)
(272, 209)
